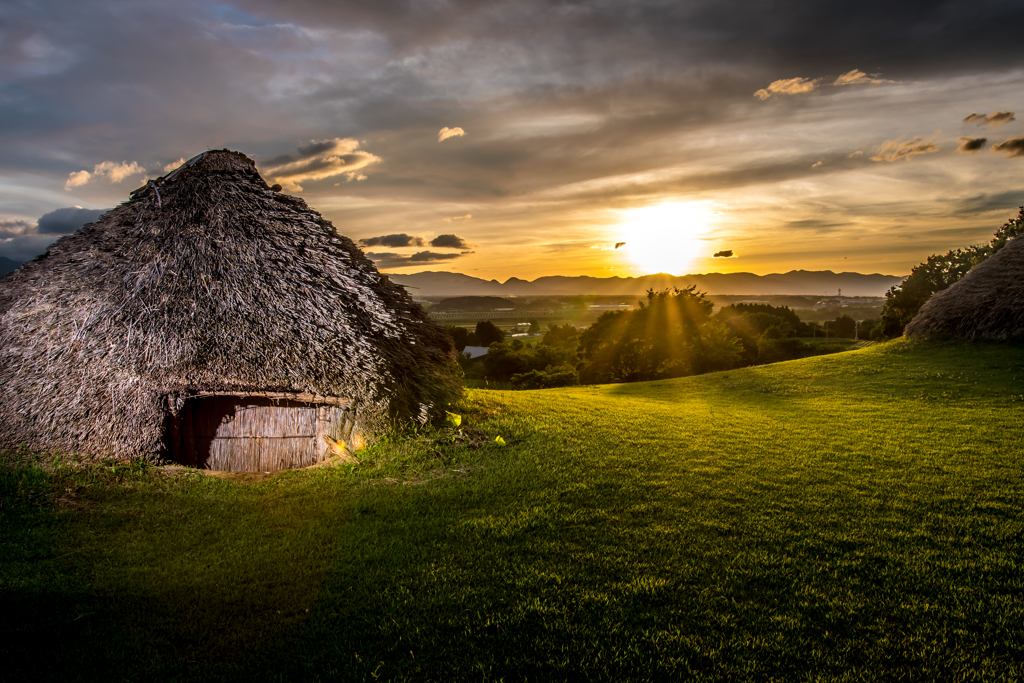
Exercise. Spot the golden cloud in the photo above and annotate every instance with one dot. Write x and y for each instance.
(447, 132)
(996, 119)
(970, 145)
(894, 150)
(173, 165)
(1014, 147)
(110, 170)
(789, 86)
(321, 159)
(857, 76)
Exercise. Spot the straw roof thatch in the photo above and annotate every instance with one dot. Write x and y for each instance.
(987, 303)
(206, 280)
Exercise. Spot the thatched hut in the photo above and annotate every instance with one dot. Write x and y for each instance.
(987, 303)
(216, 322)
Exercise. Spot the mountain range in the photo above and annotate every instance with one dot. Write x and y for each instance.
(812, 282)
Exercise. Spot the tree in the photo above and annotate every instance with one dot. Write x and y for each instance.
(502, 361)
(460, 335)
(534, 327)
(842, 326)
(903, 301)
(749, 321)
(564, 336)
(487, 333)
(670, 335)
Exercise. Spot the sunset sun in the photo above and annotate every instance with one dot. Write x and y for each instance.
(664, 238)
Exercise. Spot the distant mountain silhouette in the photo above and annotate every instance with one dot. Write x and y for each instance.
(8, 266)
(813, 282)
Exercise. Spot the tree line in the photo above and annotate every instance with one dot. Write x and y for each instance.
(673, 333)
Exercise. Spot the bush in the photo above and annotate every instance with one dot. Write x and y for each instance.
(561, 376)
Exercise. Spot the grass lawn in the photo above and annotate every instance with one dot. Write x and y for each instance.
(853, 517)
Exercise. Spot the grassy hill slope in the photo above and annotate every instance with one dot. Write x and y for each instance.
(849, 517)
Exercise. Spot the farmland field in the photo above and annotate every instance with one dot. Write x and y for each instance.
(858, 516)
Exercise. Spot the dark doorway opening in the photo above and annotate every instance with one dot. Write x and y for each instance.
(243, 433)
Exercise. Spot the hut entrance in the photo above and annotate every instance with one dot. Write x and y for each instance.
(257, 433)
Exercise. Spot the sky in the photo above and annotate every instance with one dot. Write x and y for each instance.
(516, 138)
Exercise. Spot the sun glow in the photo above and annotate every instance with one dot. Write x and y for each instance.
(665, 238)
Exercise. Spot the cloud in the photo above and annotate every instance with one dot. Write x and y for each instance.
(76, 179)
(25, 247)
(1014, 147)
(894, 150)
(789, 86)
(110, 170)
(116, 172)
(66, 221)
(983, 203)
(22, 240)
(816, 224)
(970, 145)
(427, 256)
(14, 227)
(449, 242)
(393, 241)
(318, 160)
(450, 219)
(857, 76)
(392, 260)
(58, 222)
(619, 244)
(725, 253)
(854, 155)
(447, 132)
(817, 164)
(173, 165)
(996, 119)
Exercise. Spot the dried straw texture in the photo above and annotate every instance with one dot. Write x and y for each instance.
(987, 303)
(206, 281)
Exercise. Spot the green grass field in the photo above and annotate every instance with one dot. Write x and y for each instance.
(853, 517)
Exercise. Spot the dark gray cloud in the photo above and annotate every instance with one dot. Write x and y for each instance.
(66, 221)
(399, 240)
(1014, 147)
(310, 151)
(911, 39)
(817, 225)
(427, 256)
(970, 145)
(25, 247)
(725, 253)
(449, 241)
(22, 240)
(387, 260)
(983, 203)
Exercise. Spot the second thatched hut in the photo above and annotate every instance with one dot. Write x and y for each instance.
(987, 303)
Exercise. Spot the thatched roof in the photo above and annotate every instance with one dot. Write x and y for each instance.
(987, 303)
(206, 281)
